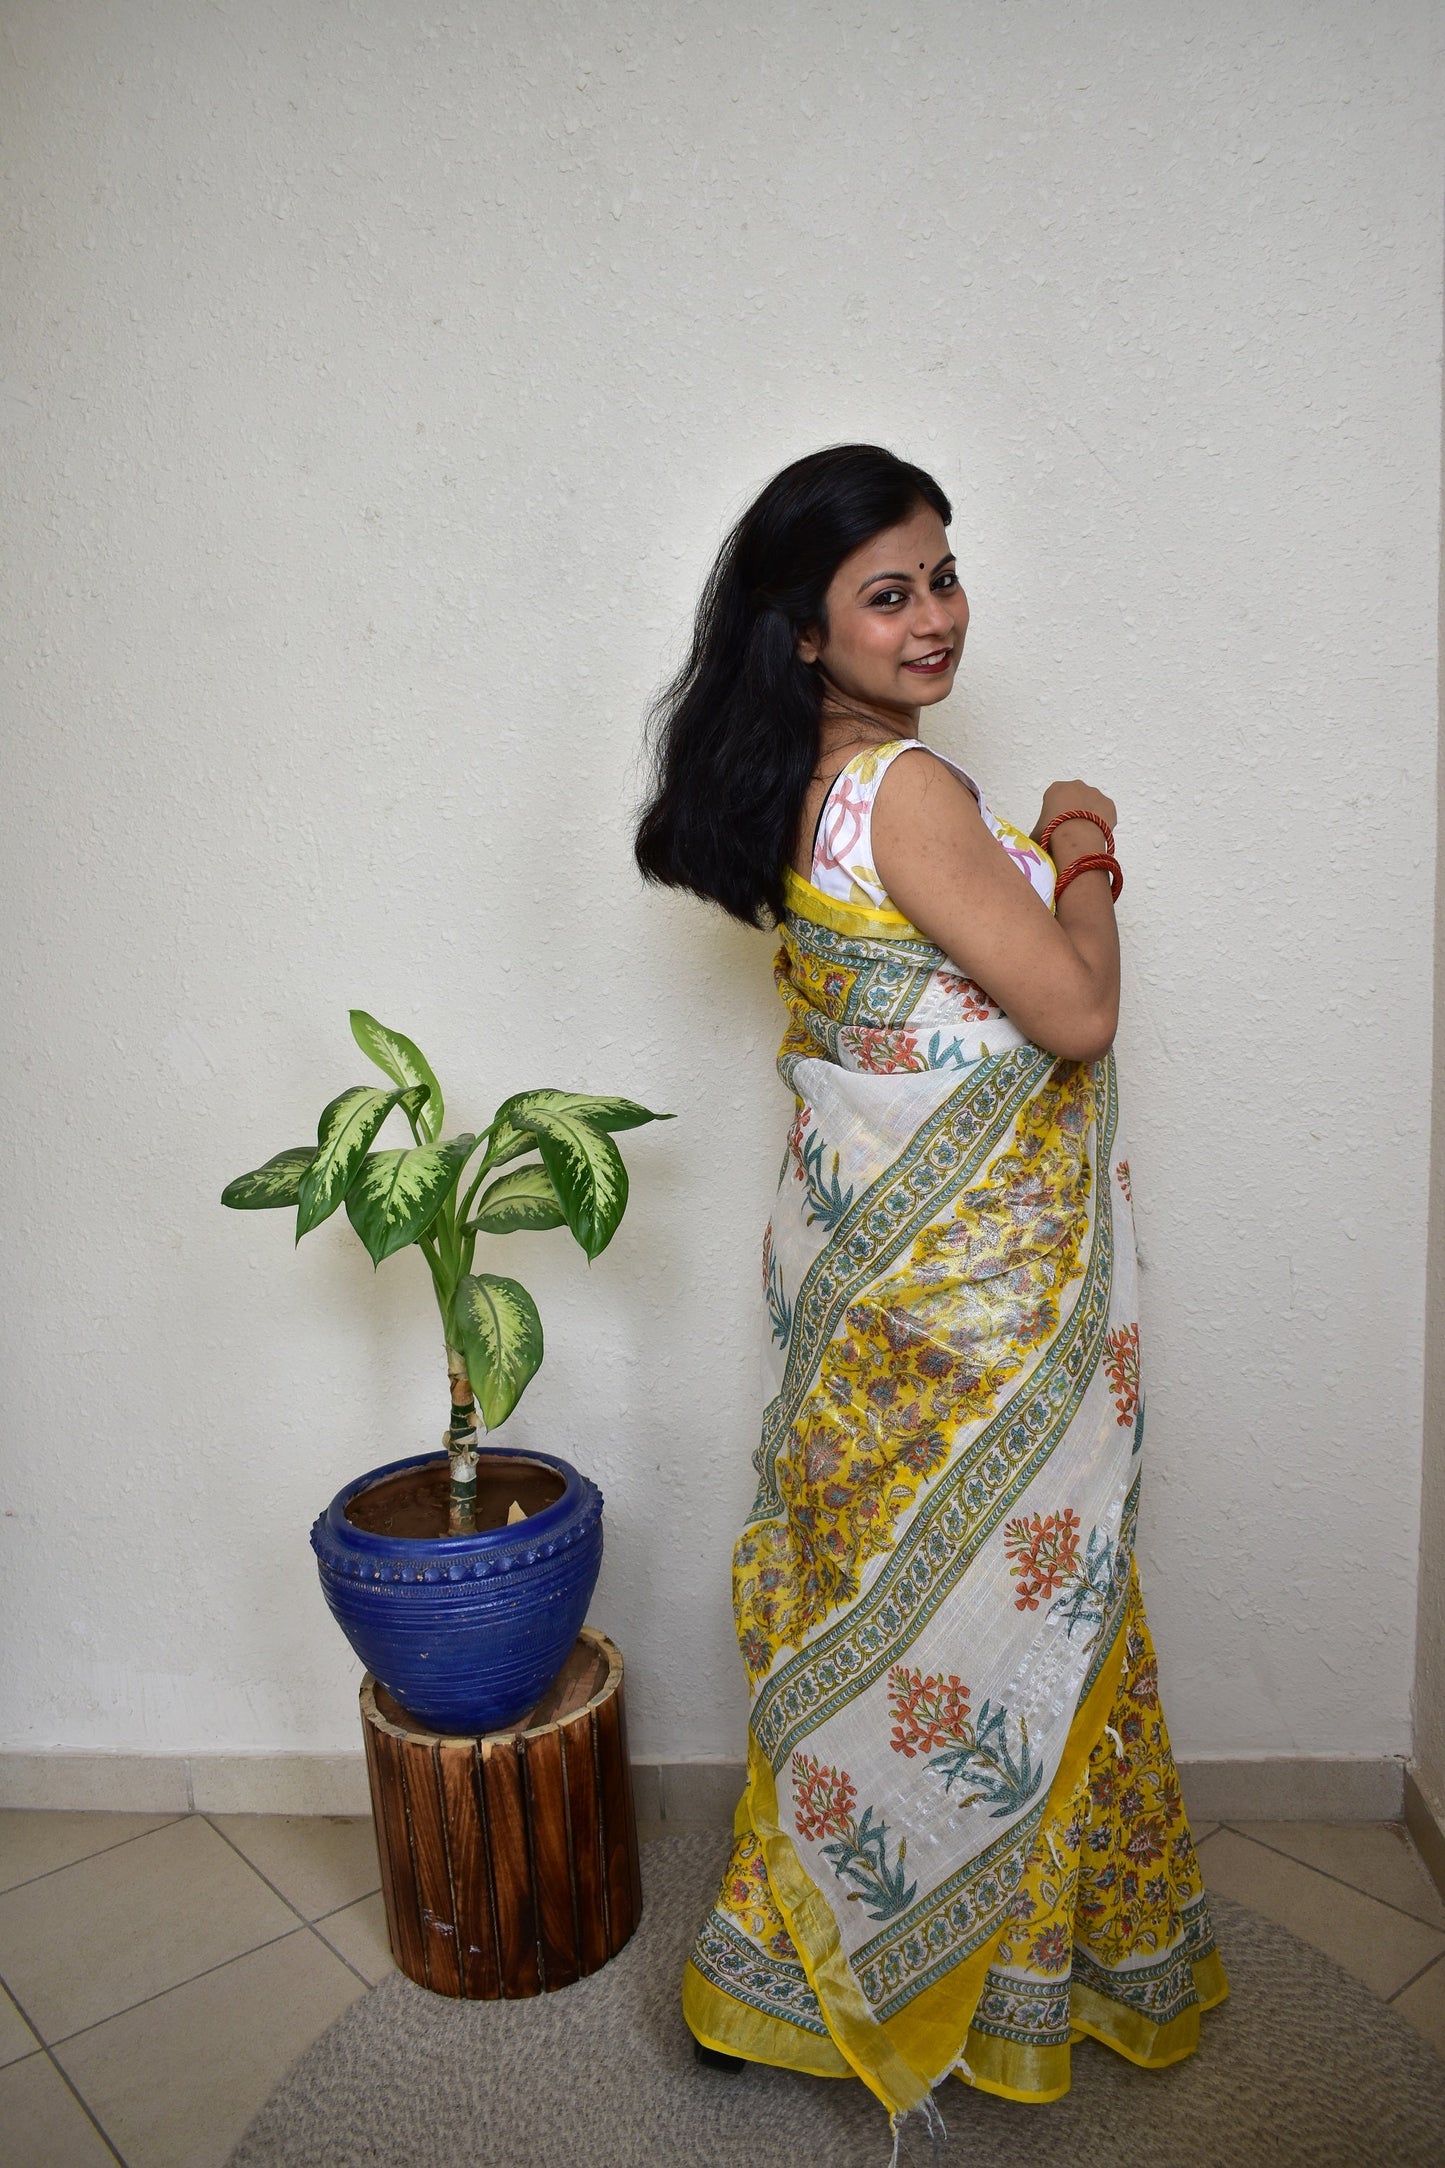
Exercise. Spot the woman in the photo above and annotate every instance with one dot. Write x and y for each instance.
(962, 1843)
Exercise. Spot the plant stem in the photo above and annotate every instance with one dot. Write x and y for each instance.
(462, 1449)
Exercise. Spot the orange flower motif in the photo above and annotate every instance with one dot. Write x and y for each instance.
(1121, 1176)
(823, 1799)
(977, 1008)
(1044, 1549)
(796, 1134)
(1122, 1365)
(928, 1711)
(880, 1052)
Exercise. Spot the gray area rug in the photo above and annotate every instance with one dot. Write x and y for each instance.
(1301, 2068)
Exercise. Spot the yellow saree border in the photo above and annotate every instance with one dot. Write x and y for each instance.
(932, 2033)
(1037, 2075)
(858, 918)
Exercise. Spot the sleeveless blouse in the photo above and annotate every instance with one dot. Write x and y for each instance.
(952, 1021)
(843, 849)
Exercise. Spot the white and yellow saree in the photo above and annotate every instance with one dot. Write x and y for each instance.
(962, 1843)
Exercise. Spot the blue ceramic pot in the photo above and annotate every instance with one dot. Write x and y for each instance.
(466, 1632)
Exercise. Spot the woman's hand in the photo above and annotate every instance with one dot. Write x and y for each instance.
(1074, 839)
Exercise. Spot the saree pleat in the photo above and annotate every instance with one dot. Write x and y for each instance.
(962, 1844)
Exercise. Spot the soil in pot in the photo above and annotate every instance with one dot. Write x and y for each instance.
(415, 1502)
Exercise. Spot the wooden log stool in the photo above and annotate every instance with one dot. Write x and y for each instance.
(508, 1861)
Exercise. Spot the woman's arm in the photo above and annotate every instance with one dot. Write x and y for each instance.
(1057, 978)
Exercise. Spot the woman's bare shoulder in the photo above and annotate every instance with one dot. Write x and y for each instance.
(924, 796)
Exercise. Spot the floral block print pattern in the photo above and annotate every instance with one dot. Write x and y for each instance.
(931, 1716)
(1110, 1931)
(950, 1292)
(1046, 1561)
(1122, 1366)
(1107, 1931)
(857, 1847)
(924, 1351)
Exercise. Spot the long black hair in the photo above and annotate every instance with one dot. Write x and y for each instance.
(735, 735)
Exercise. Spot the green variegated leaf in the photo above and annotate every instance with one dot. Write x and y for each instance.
(522, 1200)
(274, 1184)
(343, 1138)
(396, 1056)
(587, 1174)
(496, 1323)
(511, 1130)
(395, 1195)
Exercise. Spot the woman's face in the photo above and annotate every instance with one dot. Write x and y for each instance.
(896, 619)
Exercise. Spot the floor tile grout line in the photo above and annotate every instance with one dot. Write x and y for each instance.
(1241, 1829)
(44, 2048)
(290, 1906)
(99, 1852)
(1416, 1977)
(91, 2115)
(301, 1916)
(361, 1900)
(74, 2090)
(340, 1955)
(176, 1985)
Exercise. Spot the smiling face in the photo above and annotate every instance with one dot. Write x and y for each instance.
(897, 617)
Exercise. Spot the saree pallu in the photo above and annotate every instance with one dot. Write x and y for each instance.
(962, 1843)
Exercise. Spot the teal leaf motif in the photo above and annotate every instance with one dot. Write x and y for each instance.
(1090, 1589)
(1004, 1780)
(780, 1310)
(861, 1857)
(827, 1199)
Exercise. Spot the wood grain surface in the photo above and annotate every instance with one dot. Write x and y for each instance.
(509, 1862)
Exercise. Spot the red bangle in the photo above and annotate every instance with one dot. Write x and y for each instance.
(1079, 815)
(1096, 862)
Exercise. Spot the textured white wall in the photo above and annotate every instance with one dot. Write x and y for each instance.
(379, 382)
(1429, 1696)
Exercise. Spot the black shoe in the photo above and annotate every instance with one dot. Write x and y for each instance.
(713, 2059)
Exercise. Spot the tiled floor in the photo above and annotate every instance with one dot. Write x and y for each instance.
(162, 1973)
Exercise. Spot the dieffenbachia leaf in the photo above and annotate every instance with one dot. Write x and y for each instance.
(396, 1056)
(395, 1195)
(522, 1200)
(512, 1128)
(500, 1333)
(343, 1139)
(274, 1184)
(587, 1174)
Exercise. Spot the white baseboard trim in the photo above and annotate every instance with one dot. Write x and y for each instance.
(259, 1783)
(1295, 1788)
(1299, 1788)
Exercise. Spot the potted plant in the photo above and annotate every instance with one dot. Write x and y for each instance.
(460, 1579)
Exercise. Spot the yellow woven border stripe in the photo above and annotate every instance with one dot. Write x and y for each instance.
(721, 2021)
(860, 2039)
(809, 902)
